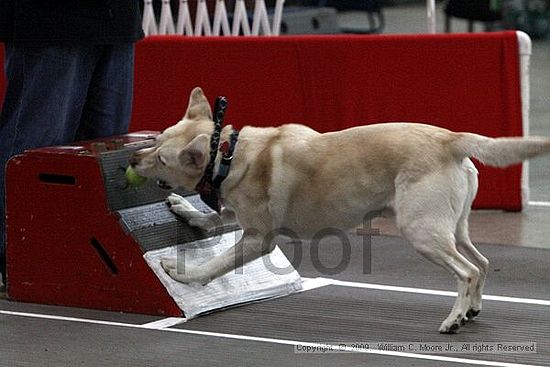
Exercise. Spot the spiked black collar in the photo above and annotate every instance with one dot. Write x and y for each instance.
(209, 186)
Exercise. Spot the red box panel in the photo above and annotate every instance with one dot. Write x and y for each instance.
(64, 245)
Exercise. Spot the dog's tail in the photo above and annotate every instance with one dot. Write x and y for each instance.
(498, 152)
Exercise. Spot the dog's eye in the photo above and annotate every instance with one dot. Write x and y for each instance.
(161, 160)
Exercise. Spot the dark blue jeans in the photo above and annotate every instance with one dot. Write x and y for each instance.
(57, 95)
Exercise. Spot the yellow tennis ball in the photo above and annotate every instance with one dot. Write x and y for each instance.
(133, 178)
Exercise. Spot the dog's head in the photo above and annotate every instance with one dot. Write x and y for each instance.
(182, 152)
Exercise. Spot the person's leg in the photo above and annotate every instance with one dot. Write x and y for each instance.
(46, 90)
(109, 102)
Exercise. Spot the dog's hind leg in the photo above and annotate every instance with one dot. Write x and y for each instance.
(427, 220)
(466, 246)
(439, 247)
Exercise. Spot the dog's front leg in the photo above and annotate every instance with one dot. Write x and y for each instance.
(248, 248)
(205, 221)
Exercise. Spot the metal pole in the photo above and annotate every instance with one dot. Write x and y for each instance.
(431, 16)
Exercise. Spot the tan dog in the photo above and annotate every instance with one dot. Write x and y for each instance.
(295, 178)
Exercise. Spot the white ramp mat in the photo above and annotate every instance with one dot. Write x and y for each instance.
(268, 277)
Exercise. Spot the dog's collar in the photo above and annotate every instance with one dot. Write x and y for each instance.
(226, 148)
(209, 185)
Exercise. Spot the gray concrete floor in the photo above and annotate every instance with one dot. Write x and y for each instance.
(265, 333)
(532, 226)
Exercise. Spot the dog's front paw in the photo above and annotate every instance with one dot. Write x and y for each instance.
(180, 206)
(191, 274)
(183, 209)
(168, 263)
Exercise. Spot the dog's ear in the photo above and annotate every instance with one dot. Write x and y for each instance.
(198, 107)
(195, 155)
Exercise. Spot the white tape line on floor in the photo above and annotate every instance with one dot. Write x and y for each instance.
(292, 343)
(164, 323)
(539, 203)
(314, 283)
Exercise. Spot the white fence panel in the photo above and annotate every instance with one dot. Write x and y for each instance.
(219, 25)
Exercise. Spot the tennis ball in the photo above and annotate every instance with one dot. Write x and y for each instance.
(133, 178)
